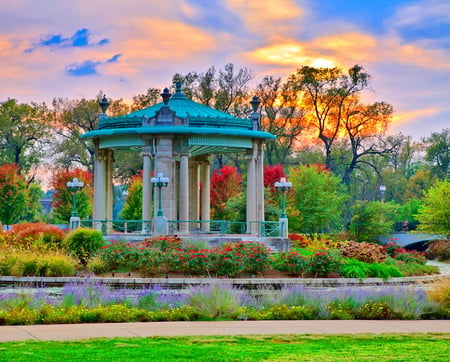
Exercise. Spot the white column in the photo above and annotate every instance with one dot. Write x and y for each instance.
(99, 212)
(184, 193)
(251, 191)
(165, 165)
(194, 191)
(146, 190)
(109, 189)
(260, 183)
(206, 195)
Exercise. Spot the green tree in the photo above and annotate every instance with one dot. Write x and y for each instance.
(371, 219)
(132, 207)
(24, 130)
(34, 207)
(434, 215)
(63, 198)
(316, 200)
(438, 153)
(13, 194)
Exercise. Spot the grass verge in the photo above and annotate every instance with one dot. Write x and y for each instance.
(367, 347)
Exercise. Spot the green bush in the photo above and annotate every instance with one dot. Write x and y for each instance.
(84, 243)
(325, 261)
(292, 262)
(58, 265)
(352, 268)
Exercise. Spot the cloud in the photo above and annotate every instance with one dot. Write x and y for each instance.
(80, 39)
(89, 67)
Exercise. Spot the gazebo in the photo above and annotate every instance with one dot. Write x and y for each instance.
(176, 138)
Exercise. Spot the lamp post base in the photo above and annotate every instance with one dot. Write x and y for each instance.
(161, 226)
(283, 227)
(74, 222)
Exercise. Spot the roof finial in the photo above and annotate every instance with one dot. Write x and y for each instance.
(104, 104)
(255, 103)
(166, 96)
(178, 86)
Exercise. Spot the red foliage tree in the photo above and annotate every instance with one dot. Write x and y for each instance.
(13, 194)
(63, 198)
(272, 174)
(225, 184)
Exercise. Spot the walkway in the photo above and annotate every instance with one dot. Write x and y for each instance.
(64, 332)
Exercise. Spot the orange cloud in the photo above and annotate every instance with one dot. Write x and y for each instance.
(401, 118)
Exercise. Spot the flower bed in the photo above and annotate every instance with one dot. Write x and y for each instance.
(89, 302)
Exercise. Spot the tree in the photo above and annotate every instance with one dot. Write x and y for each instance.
(225, 184)
(146, 100)
(24, 130)
(282, 116)
(13, 194)
(334, 111)
(63, 198)
(132, 208)
(372, 219)
(434, 215)
(316, 200)
(438, 153)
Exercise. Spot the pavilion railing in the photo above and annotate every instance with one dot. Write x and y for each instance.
(221, 227)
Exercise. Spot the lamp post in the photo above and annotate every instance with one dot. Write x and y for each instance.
(74, 186)
(382, 192)
(283, 186)
(161, 227)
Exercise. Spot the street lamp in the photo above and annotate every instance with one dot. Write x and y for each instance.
(283, 186)
(74, 186)
(382, 192)
(160, 221)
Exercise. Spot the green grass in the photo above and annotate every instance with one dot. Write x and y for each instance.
(367, 347)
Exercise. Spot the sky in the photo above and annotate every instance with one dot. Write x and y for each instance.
(74, 49)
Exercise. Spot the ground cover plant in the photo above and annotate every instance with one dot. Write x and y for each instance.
(385, 347)
(92, 302)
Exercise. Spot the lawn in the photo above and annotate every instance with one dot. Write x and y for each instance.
(367, 347)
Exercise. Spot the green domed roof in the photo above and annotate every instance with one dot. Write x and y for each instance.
(198, 114)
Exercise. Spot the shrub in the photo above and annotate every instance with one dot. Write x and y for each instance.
(439, 250)
(399, 253)
(191, 259)
(164, 243)
(59, 265)
(363, 251)
(98, 265)
(352, 268)
(84, 243)
(30, 233)
(50, 264)
(299, 240)
(214, 301)
(376, 310)
(324, 261)
(383, 271)
(292, 262)
(440, 292)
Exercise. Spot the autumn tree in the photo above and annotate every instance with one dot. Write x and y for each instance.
(225, 185)
(334, 111)
(282, 116)
(63, 198)
(272, 174)
(24, 132)
(13, 194)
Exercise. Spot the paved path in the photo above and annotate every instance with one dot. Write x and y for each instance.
(62, 332)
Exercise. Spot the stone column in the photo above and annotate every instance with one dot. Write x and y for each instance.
(206, 195)
(184, 193)
(99, 212)
(146, 190)
(165, 165)
(194, 194)
(251, 191)
(260, 186)
(109, 188)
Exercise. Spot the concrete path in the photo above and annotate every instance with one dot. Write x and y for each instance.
(64, 332)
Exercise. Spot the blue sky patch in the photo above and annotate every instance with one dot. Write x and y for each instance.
(114, 58)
